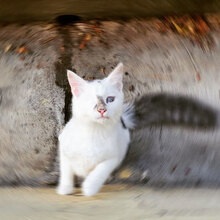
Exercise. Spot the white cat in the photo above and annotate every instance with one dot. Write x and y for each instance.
(94, 142)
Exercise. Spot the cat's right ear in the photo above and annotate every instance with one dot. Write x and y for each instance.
(77, 84)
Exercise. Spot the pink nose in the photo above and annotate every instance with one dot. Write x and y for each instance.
(101, 111)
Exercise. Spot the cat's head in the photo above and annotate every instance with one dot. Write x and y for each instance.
(98, 101)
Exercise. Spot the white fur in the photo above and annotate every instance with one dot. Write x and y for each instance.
(90, 146)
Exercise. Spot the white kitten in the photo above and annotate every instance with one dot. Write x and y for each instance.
(95, 141)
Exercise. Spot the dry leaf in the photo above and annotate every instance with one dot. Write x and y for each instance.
(95, 28)
(87, 38)
(21, 50)
(125, 174)
(82, 45)
(7, 48)
(62, 48)
(193, 27)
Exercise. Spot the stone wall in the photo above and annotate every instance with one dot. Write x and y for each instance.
(35, 96)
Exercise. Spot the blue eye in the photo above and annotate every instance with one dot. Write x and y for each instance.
(110, 99)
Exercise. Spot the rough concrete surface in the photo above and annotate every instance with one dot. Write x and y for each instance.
(35, 96)
(116, 202)
(31, 106)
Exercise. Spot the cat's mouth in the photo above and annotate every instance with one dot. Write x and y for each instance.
(103, 117)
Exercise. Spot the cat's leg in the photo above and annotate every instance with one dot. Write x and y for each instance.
(98, 176)
(66, 180)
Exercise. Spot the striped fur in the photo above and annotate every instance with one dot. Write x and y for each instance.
(167, 109)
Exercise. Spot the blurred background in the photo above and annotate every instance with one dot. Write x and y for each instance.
(168, 47)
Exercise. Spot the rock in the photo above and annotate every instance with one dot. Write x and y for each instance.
(30, 109)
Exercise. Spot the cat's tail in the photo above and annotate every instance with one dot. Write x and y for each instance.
(167, 109)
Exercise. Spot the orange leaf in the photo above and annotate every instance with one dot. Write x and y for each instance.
(87, 37)
(62, 48)
(21, 50)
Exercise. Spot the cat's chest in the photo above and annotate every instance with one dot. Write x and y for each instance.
(89, 144)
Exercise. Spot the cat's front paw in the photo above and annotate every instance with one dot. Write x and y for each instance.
(90, 189)
(65, 190)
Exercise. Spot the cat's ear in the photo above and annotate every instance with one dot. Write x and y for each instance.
(116, 76)
(77, 84)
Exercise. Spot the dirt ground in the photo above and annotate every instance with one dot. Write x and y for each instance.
(113, 202)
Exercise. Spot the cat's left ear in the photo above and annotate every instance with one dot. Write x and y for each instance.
(116, 76)
(77, 84)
